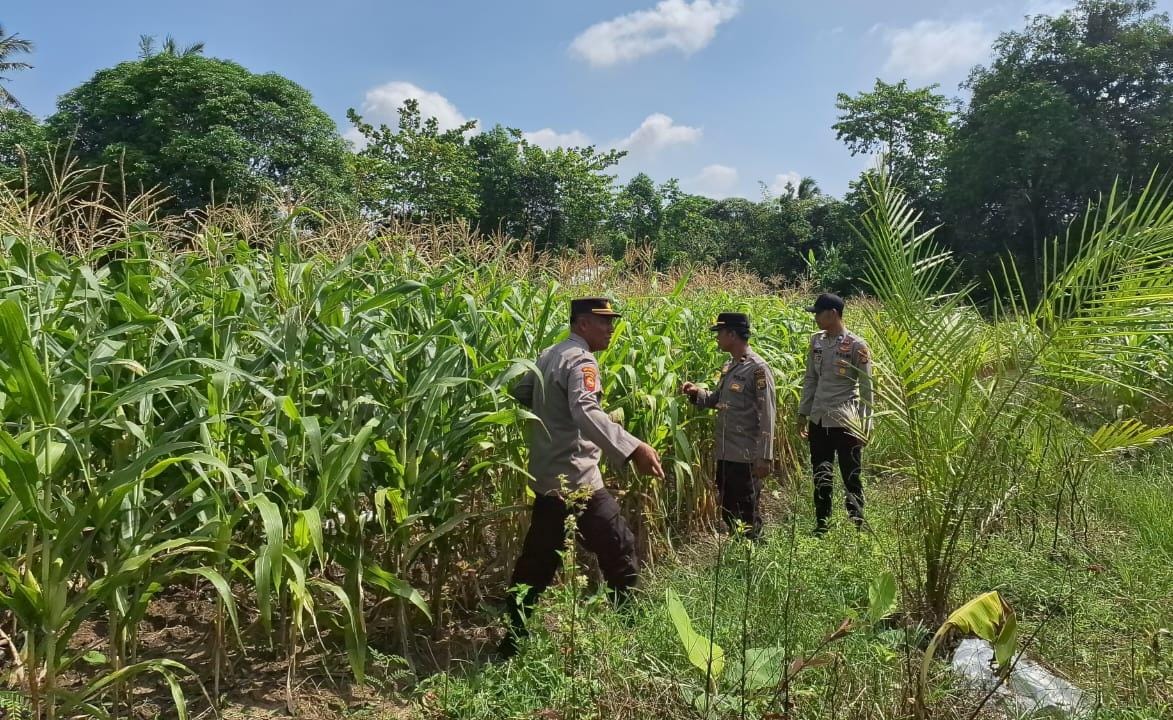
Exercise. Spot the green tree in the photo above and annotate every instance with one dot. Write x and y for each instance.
(566, 194)
(911, 127)
(637, 214)
(147, 48)
(557, 199)
(687, 233)
(1067, 105)
(21, 141)
(498, 160)
(10, 46)
(204, 129)
(416, 171)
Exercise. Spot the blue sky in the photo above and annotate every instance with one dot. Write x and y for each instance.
(722, 94)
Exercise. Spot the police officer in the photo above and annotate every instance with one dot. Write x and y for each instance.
(836, 409)
(567, 441)
(745, 403)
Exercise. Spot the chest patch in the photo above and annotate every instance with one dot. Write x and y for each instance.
(735, 386)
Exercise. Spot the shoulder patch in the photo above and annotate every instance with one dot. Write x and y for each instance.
(865, 354)
(590, 378)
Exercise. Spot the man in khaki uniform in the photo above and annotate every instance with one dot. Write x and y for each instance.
(566, 443)
(746, 412)
(836, 409)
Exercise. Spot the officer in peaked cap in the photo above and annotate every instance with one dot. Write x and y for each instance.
(745, 401)
(570, 436)
(836, 409)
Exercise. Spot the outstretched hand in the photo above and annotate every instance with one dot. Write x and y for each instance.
(647, 461)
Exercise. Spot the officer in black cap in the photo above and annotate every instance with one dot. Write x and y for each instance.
(746, 413)
(836, 409)
(570, 436)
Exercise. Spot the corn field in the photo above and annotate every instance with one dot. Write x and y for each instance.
(305, 425)
(313, 436)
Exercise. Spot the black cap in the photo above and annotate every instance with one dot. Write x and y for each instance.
(827, 301)
(592, 306)
(731, 321)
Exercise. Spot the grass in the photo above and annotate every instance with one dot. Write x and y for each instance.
(1094, 608)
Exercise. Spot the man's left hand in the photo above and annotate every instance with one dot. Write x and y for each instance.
(762, 468)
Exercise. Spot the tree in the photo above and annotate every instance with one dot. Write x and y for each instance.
(146, 47)
(638, 214)
(498, 158)
(557, 199)
(21, 140)
(565, 194)
(911, 127)
(687, 233)
(204, 129)
(416, 171)
(11, 45)
(1067, 105)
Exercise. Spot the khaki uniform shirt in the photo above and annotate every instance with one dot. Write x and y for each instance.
(572, 431)
(837, 389)
(746, 409)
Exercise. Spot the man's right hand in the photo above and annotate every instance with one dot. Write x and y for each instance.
(803, 428)
(647, 461)
(689, 389)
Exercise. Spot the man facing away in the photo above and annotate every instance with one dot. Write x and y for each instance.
(566, 443)
(836, 409)
(746, 413)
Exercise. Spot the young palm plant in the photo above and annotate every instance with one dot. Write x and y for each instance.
(965, 403)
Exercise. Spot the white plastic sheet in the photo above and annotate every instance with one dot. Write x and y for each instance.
(1030, 691)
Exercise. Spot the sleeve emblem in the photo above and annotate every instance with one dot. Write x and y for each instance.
(590, 378)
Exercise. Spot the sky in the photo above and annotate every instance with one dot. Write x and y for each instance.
(728, 96)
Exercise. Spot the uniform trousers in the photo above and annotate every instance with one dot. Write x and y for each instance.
(827, 443)
(738, 491)
(601, 530)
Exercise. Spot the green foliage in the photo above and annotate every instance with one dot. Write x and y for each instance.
(415, 171)
(988, 617)
(969, 411)
(910, 127)
(638, 215)
(203, 129)
(22, 143)
(10, 46)
(704, 654)
(1068, 105)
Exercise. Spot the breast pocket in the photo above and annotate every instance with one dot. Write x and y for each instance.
(842, 364)
(739, 390)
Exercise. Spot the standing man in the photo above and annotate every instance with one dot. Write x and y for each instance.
(836, 409)
(746, 412)
(566, 443)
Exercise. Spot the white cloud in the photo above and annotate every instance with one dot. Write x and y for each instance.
(381, 106)
(930, 48)
(679, 24)
(549, 139)
(778, 185)
(715, 181)
(657, 132)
